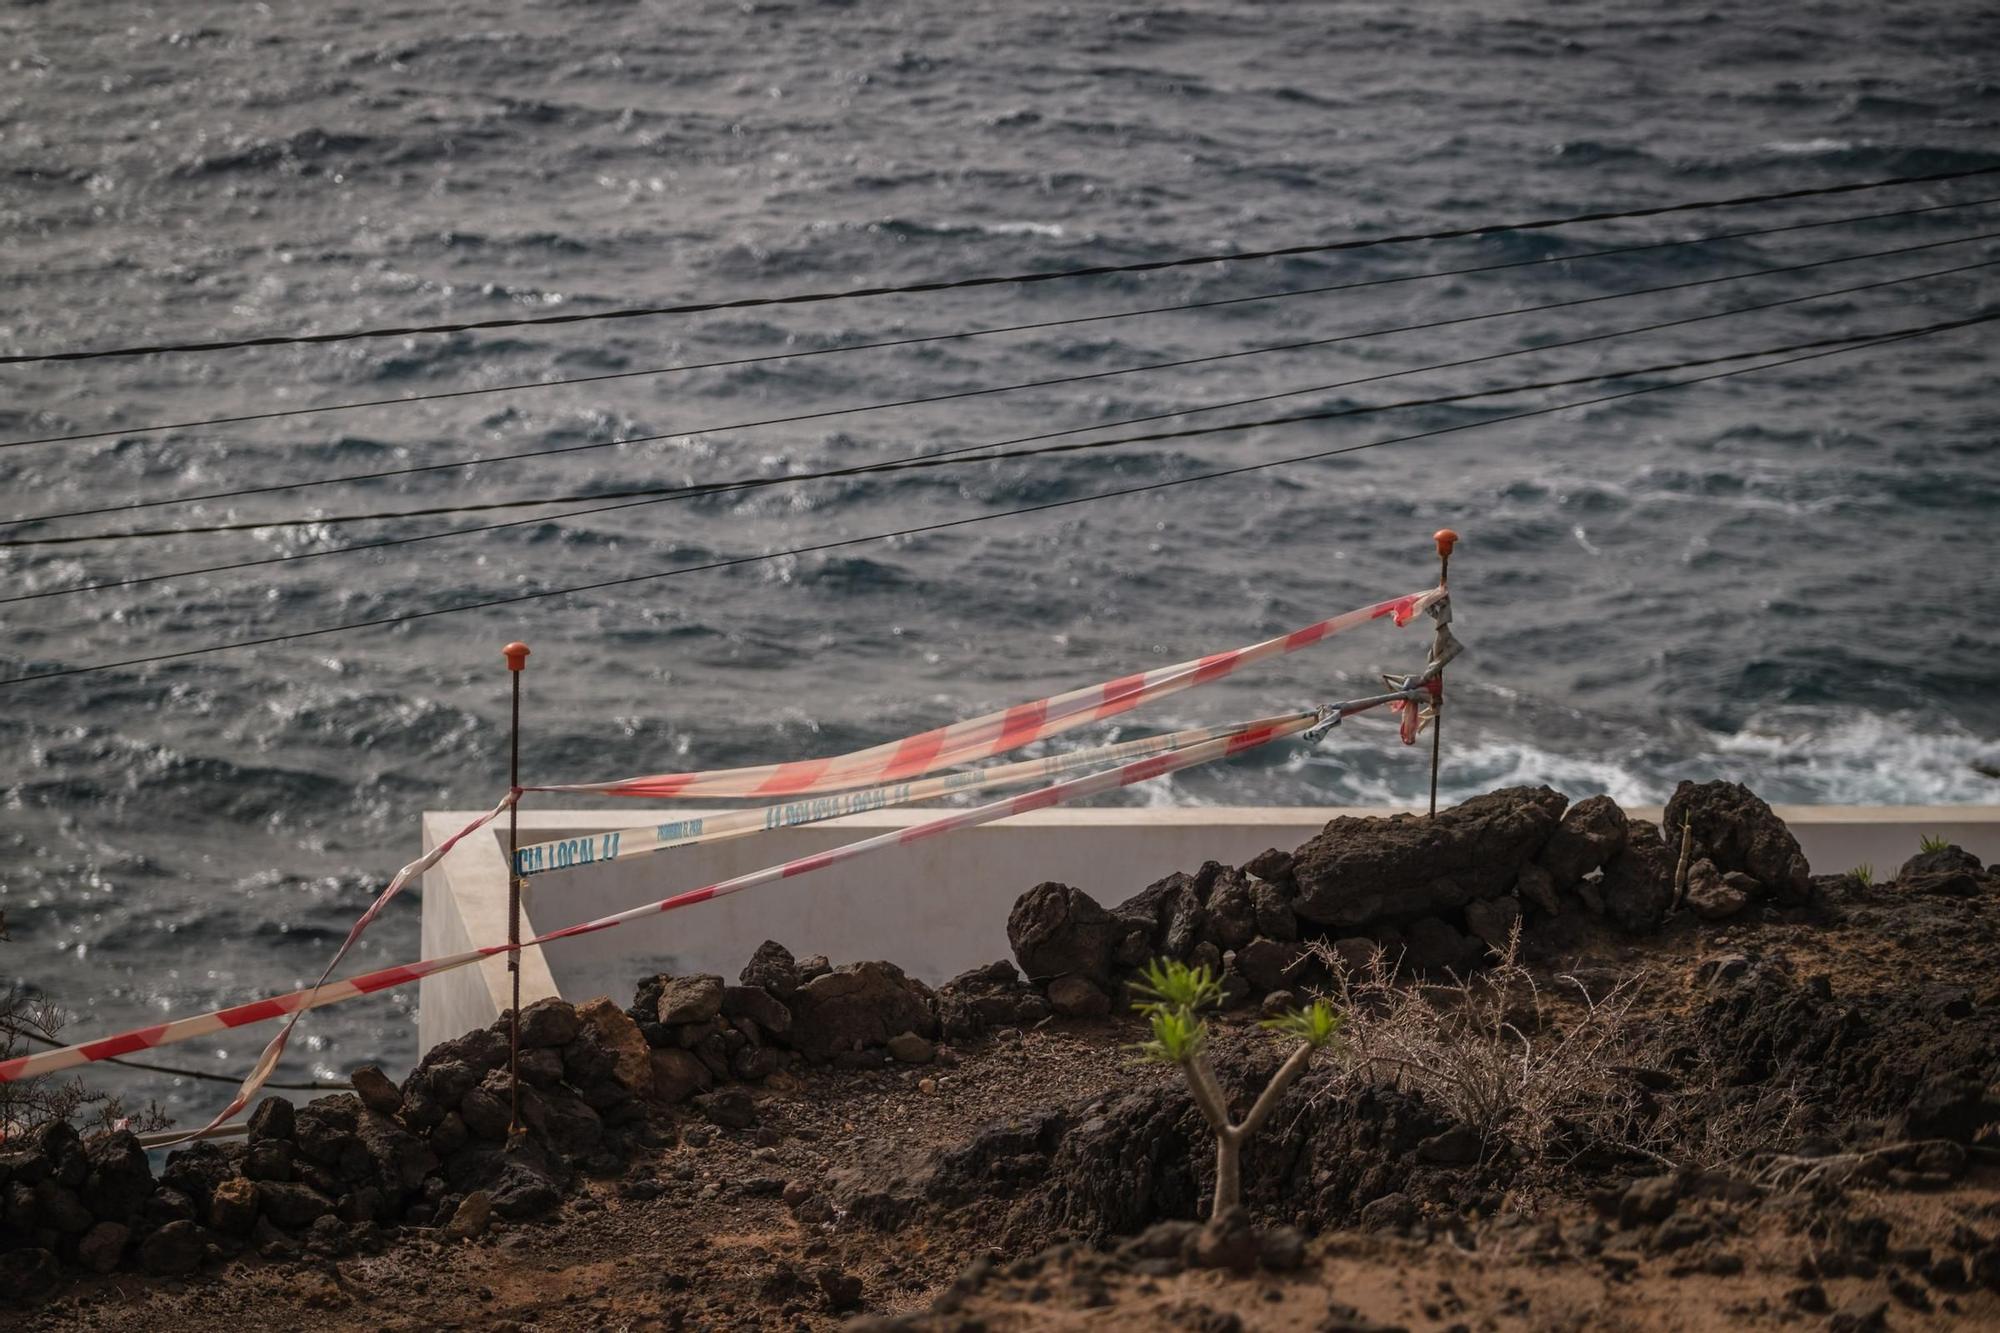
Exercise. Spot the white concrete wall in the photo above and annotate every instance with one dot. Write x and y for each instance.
(935, 908)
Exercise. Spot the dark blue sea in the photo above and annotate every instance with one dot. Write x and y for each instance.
(1785, 578)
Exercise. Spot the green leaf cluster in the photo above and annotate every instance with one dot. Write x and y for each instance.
(1172, 996)
(1316, 1025)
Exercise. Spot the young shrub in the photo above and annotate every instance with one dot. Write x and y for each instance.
(1863, 874)
(1175, 996)
(1933, 843)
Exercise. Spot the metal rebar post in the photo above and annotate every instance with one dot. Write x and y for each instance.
(1445, 539)
(517, 661)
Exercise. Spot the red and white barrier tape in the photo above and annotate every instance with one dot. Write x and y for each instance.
(960, 743)
(297, 1002)
(596, 848)
(995, 733)
(267, 1063)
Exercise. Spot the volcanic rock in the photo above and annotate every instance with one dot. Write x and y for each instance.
(1232, 915)
(911, 1049)
(861, 1004)
(269, 1160)
(1356, 953)
(1492, 920)
(1949, 872)
(469, 1219)
(976, 1002)
(292, 1204)
(618, 1034)
(772, 967)
(729, 1108)
(232, 1207)
(1235, 987)
(1055, 929)
(523, 1193)
(103, 1246)
(120, 1179)
(401, 1159)
(1733, 828)
(1147, 911)
(58, 1206)
(1268, 964)
(1536, 887)
(1710, 895)
(1077, 997)
(451, 1069)
(1186, 920)
(1270, 864)
(693, 999)
(1592, 832)
(541, 1066)
(324, 1127)
(197, 1169)
(841, 1289)
(766, 1010)
(177, 1247)
(1358, 869)
(375, 1090)
(274, 1118)
(1436, 946)
(487, 1113)
(1273, 910)
(1638, 883)
(550, 1021)
(26, 1274)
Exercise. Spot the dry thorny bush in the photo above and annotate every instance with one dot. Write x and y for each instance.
(1547, 1077)
(27, 1104)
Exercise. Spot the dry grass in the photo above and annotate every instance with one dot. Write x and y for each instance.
(1546, 1074)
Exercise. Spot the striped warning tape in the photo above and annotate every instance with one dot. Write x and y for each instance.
(622, 844)
(267, 1063)
(995, 733)
(915, 756)
(317, 996)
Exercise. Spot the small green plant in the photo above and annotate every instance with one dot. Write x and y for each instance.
(1863, 874)
(1933, 843)
(1174, 995)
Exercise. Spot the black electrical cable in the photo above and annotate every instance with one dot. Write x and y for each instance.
(994, 280)
(859, 469)
(1861, 342)
(284, 413)
(825, 413)
(200, 1074)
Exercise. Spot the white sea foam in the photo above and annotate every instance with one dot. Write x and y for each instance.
(1808, 146)
(1796, 757)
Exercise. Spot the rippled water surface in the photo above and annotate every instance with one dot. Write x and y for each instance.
(1785, 577)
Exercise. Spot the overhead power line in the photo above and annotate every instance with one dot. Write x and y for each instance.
(947, 397)
(132, 534)
(126, 432)
(1861, 342)
(994, 280)
(699, 489)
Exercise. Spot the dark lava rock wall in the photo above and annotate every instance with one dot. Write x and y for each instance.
(1435, 895)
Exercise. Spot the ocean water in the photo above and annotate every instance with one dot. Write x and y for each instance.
(1784, 578)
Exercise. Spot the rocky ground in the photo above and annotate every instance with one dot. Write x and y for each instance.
(1764, 1100)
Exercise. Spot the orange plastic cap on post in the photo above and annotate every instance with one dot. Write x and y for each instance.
(1445, 539)
(517, 656)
